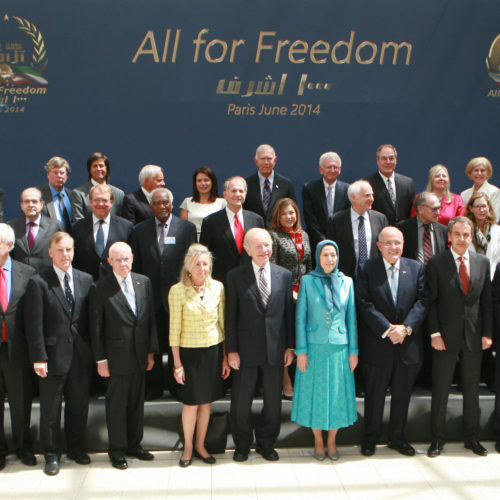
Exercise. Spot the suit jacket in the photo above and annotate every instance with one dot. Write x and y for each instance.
(39, 255)
(136, 207)
(216, 234)
(409, 228)
(340, 230)
(81, 203)
(86, 257)
(282, 188)
(51, 329)
(259, 335)
(405, 193)
(162, 269)
(377, 311)
(496, 308)
(317, 324)
(13, 316)
(316, 210)
(116, 333)
(454, 314)
(49, 208)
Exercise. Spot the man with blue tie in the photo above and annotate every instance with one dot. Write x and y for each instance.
(55, 196)
(391, 307)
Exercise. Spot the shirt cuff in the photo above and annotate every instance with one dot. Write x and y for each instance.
(102, 361)
(437, 334)
(384, 335)
(41, 364)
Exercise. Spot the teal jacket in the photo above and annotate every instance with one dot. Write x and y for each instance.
(316, 324)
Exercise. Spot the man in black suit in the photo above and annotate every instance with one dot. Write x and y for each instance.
(159, 245)
(137, 205)
(266, 187)
(391, 307)
(124, 341)
(99, 172)
(95, 233)
(56, 197)
(56, 318)
(424, 235)
(496, 348)
(33, 231)
(259, 340)
(356, 229)
(219, 234)
(394, 193)
(323, 197)
(15, 370)
(460, 321)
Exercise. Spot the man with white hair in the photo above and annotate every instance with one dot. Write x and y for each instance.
(136, 206)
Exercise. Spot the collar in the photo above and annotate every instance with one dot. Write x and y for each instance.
(456, 256)
(8, 265)
(231, 215)
(388, 265)
(95, 219)
(147, 194)
(60, 273)
(121, 280)
(167, 222)
(256, 268)
(355, 216)
(384, 178)
(326, 185)
(262, 179)
(36, 221)
(55, 193)
(421, 224)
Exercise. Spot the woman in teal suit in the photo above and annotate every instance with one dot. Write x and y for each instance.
(327, 351)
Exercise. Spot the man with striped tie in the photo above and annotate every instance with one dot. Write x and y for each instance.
(259, 340)
(124, 341)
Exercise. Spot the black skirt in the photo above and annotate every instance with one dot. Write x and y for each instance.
(203, 372)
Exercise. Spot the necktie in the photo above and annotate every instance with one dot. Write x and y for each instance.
(391, 191)
(394, 283)
(67, 291)
(362, 250)
(266, 195)
(161, 239)
(263, 287)
(31, 235)
(329, 200)
(64, 212)
(4, 300)
(130, 296)
(99, 239)
(427, 246)
(464, 275)
(239, 234)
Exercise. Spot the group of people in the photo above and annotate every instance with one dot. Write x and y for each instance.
(367, 296)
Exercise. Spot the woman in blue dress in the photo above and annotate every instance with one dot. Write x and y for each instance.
(327, 351)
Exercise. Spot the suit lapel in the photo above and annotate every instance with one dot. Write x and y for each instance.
(475, 273)
(452, 269)
(384, 280)
(251, 282)
(139, 296)
(16, 279)
(56, 288)
(23, 240)
(385, 193)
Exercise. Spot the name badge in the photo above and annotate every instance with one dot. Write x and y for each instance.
(170, 240)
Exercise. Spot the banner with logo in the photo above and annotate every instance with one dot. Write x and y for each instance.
(204, 82)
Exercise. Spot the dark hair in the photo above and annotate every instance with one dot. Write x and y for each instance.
(280, 205)
(490, 219)
(98, 156)
(214, 192)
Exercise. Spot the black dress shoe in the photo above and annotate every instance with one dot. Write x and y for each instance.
(27, 458)
(2, 462)
(268, 453)
(150, 395)
(51, 467)
(404, 448)
(367, 449)
(497, 446)
(240, 456)
(434, 449)
(185, 463)
(119, 462)
(141, 454)
(477, 448)
(207, 460)
(79, 457)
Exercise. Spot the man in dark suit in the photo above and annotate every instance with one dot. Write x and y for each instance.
(323, 197)
(460, 321)
(356, 229)
(137, 205)
(394, 193)
(56, 197)
(391, 307)
(95, 233)
(424, 235)
(259, 340)
(159, 245)
(496, 348)
(15, 370)
(56, 317)
(221, 231)
(266, 187)
(99, 172)
(33, 231)
(124, 341)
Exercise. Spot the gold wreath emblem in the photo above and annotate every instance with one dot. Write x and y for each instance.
(493, 61)
(39, 57)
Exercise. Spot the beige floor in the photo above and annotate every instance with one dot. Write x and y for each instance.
(457, 474)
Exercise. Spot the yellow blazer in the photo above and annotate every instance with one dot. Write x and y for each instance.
(195, 322)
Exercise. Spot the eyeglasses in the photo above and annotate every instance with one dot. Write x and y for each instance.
(434, 209)
(481, 207)
(392, 243)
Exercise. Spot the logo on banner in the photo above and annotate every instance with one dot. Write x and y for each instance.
(23, 61)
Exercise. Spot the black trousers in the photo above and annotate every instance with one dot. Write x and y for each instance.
(496, 417)
(268, 425)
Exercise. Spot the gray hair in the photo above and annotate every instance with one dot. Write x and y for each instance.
(264, 147)
(56, 162)
(116, 245)
(234, 178)
(149, 172)
(423, 198)
(7, 234)
(329, 154)
(38, 192)
(162, 190)
(355, 188)
(249, 235)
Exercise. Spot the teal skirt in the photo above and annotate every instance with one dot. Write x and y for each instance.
(324, 396)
